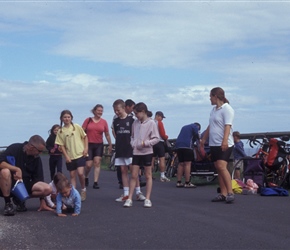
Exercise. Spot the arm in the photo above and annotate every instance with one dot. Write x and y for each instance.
(108, 137)
(86, 145)
(204, 137)
(59, 205)
(16, 170)
(162, 132)
(226, 137)
(154, 136)
(78, 204)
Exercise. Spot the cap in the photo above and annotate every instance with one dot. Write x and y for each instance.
(160, 114)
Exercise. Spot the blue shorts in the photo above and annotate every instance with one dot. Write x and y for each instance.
(76, 163)
(142, 160)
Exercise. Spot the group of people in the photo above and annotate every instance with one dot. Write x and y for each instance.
(138, 139)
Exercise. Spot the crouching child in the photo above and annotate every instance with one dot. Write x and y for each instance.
(68, 196)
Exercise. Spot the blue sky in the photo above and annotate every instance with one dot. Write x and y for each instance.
(57, 55)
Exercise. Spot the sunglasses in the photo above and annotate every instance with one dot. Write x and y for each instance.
(39, 151)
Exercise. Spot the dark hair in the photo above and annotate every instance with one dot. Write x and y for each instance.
(57, 177)
(53, 128)
(129, 103)
(141, 106)
(65, 112)
(220, 94)
(119, 102)
(237, 134)
(97, 106)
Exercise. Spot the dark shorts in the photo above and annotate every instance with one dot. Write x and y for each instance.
(216, 153)
(185, 154)
(142, 160)
(159, 149)
(95, 149)
(74, 164)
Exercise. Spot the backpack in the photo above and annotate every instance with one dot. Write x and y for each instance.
(276, 153)
(254, 170)
(274, 191)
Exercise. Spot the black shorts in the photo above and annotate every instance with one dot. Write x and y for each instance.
(74, 164)
(142, 160)
(95, 149)
(216, 153)
(159, 149)
(185, 154)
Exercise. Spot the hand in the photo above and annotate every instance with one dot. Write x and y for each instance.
(18, 174)
(61, 215)
(67, 160)
(52, 150)
(224, 146)
(110, 149)
(74, 214)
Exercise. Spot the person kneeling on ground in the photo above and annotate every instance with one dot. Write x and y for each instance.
(28, 167)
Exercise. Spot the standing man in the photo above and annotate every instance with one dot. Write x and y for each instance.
(159, 148)
(27, 167)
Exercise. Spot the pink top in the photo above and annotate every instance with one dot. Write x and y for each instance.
(95, 130)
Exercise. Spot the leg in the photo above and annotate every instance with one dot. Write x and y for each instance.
(133, 180)
(149, 182)
(59, 164)
(80, 172)
(5, 182)
(73, 178)
(180, 171)
(52, 167)
(41, 189)
(224, 177)
(97, 166)
(88, 167)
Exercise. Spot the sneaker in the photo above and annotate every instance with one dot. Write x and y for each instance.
(147, 203)
(164, 179)
(20, 205)
(122, 198)
(140, 197)
(83, 195)
(218, 198)
(179, 184)
(230, 198)
(128, 203)
(189, 185)
(86, 182)
(96, 186)
(9, 209)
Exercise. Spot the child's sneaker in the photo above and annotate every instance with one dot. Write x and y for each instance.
(122, 198)
(83, 195)
(128, 203)
(140, 197)
(179, 184)
(147, 203)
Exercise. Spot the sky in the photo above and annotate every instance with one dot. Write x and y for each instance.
(57, 55)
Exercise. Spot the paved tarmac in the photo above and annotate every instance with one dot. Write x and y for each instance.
(179, 219)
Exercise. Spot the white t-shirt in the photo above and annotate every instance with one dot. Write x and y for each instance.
(220, 117)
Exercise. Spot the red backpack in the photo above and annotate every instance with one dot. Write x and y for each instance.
(276, 153)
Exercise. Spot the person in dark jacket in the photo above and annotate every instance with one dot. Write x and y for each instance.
(21, 161)
(55, 155)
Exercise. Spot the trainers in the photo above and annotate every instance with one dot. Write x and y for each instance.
(86, 182)
(20, 205)
(147, 203)
(128, 203)
(189, 185)
(164, 179)
(140, 197)
(179, 184)
(96, 186)
(9, 209)
(218, 198)
(83, 195)
(230, 198)
(122, 198)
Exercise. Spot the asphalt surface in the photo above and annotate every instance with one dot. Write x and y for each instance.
(179, 219)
